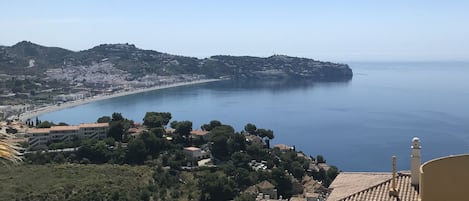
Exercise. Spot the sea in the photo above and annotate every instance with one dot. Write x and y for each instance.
(357, 125)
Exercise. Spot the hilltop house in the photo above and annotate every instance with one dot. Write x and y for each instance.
(196, 153)
(199, 135)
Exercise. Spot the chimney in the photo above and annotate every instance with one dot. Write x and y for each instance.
(415, 161)
(394, 191)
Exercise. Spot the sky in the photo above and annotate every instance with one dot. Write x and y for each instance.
(358, 30)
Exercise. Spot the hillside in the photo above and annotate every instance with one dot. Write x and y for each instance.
(73, 182)
(26, 58)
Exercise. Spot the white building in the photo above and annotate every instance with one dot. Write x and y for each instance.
(196, 153)
(44, 136)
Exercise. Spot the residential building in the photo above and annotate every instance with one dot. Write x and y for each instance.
(265, 191)
(200, 134)
(444, 178)
(44, 136)
(283, 147)
(196, 153)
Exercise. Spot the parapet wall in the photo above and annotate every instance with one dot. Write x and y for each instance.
(445, 178)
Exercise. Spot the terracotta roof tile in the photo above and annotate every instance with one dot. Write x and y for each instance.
(282, 146)
(265, 185)
(94, 125)
(64, 128)
(380, 191)
(199, 132)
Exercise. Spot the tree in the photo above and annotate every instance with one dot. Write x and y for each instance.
(117, 116)
(183, 128)
(158, 132)
(297, 170)
(211, 125)
(104, 119)
(219, 142)
(45, 124)
(263, 133)
(116, 131)
(250, 128)
(320, 159)
(137, 152)
(94, 151)
(216, 186)
(156, 119)
(152, 143)
(283, 183)
(236, 142)
(240, 159)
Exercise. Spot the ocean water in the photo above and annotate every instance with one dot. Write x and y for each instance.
(356, 125)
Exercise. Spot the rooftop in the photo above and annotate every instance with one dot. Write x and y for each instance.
(93, 125)
(38, 130)
(64, 128)
(265, 185)
(282, 146)
(199, 132)
(192, 148)
(358, 186)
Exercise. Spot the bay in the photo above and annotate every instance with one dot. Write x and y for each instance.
(357, 125)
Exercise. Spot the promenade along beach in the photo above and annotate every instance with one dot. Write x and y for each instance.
(55, 107)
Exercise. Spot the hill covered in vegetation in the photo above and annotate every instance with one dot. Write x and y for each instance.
(26, 58)
(154, 162)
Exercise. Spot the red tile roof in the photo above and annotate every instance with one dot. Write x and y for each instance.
(376, 192)
(199, 132)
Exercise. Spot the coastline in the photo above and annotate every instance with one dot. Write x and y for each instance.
(52, 108)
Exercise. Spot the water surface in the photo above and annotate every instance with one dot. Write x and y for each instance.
(357, 125)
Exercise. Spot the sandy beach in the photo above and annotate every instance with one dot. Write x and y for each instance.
(43, 110)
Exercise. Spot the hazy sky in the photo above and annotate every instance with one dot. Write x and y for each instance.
(348, 30)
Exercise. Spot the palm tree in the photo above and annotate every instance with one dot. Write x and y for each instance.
(9, 151)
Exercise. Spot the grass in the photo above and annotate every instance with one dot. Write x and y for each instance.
(73, 182)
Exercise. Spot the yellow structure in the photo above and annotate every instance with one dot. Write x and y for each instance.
(442, 179)
(445, 178)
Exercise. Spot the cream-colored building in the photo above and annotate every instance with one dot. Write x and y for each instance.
(442, 179)
(445, 178)
(44, 136)
(196, 153)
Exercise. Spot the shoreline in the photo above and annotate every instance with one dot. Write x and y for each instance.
(52, 108)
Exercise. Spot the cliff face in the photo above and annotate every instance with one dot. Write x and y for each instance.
(32, 59)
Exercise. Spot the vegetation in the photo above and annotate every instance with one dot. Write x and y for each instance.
(74, 182)
(127, 57)
(161, 170)
(8, 151)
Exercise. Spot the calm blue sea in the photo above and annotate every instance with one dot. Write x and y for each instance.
(357, 125)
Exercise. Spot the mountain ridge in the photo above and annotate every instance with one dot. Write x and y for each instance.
(23, 56)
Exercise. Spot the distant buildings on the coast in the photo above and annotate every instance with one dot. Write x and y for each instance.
(440, 179)
(9, 112)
